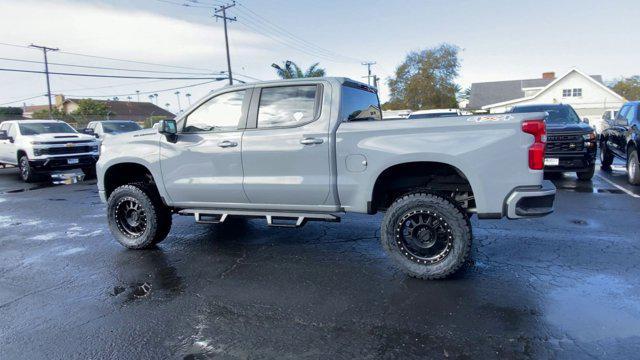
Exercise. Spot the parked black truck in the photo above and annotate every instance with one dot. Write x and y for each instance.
(621, 139)
(571, 143)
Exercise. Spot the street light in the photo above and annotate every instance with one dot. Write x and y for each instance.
(178, 96)
(138, 95)
(188, 98)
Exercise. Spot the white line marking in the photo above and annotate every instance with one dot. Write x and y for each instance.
(619, 187)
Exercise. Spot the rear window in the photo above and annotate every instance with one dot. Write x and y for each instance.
(359, 104)
(558, 114)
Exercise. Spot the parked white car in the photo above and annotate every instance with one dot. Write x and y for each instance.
(100, 129)
(43, 146)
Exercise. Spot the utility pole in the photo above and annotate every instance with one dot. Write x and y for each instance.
(376, 79)
(46, 71)
(223, 9)
(368, 65)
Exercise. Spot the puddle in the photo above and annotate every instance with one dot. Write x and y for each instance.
(71, 251)
(14, 191)
(589, 190)
(597, 308)
(579, 222)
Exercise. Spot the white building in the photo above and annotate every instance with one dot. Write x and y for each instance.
(586, 94)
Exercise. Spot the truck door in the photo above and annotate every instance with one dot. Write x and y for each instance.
(7, 153)
(285, 148)
(617, 131)
(204, 165)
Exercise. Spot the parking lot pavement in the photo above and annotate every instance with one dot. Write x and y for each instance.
(563, 286)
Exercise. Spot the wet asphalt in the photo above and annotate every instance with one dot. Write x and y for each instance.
(563, 286)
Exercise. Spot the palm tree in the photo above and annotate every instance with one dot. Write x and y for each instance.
(292, 71)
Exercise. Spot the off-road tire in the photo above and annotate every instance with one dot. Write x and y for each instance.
(586, 175)
(606, 157)
(444, 209)
(633, 168)
(157, 216)
(25, 170)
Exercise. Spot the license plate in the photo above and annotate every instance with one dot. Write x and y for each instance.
(551, 162)
(75, 161)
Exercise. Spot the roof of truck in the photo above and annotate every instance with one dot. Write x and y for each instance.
(339, 79)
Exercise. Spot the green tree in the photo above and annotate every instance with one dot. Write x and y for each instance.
(10, 111)
(425, 80)
(629, 87)
(292, 71)
(55, 114)
(89, 109)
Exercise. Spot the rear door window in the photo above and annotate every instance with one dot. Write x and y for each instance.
(287, 106)
(359, 103)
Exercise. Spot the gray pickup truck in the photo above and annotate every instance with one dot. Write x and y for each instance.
(313, 149)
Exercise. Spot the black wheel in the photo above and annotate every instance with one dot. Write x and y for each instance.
(586, 175)
(26, 172)
(633, 168)
(137, 217)
(606, 157)
(428, 236)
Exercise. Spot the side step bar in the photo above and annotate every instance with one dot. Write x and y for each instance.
(276, 219)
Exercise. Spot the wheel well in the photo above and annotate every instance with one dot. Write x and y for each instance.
(126, 173)
(436, 177)
(19, 155)
(630, 145)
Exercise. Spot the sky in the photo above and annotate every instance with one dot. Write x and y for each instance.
(498, 40)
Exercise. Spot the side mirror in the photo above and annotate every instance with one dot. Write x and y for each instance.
(88, 131)
(168, 128)
(3, 135)
(585, 120)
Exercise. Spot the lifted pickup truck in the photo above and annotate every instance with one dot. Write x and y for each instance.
(314, 149)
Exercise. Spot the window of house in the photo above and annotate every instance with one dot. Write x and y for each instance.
(566, 92)
(220, 113)
(287, 106)
(577, 92)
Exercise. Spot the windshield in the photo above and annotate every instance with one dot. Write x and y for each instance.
(558, 114)
(431, 115)
(119, 127)
(37, 128)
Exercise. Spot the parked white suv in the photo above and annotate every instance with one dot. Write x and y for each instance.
(100, 129)
(43, 146)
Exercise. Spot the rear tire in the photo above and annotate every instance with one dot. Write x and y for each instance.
(137, 217)
(606, 157)
(586, 175)
(633, 168)
(428, 236)
(26, 171)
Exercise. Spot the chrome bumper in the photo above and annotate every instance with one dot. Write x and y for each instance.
(526, 202)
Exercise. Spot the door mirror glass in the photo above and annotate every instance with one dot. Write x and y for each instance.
(3, 135)
(168, 127)
(585, 120)
(88, 131)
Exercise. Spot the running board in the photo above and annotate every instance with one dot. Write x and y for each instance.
(276, 219)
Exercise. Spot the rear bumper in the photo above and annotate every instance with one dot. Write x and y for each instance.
(526, 202)
(61, 163)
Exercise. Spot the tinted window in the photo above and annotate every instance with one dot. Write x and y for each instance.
(5, 126)
(36, 128)
(558, 114)
(622, 115)
(359, 104)
(287, 106)
(631, 114)
(221, 113)
(119, 127)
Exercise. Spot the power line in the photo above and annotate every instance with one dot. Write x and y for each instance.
(21, 100)
(112, 76)
(104, 67)
(152, 91)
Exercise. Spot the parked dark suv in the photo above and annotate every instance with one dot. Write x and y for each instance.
(571, 143)
(621, 139)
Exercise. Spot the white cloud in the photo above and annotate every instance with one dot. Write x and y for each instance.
(114, 32)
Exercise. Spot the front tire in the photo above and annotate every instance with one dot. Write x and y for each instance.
(26, 171)
(633, 168)
(586, 175)
(606, 157)
(428, 236)
(137, 217)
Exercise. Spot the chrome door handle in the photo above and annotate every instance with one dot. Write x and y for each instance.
(311, 141)
(227, 143)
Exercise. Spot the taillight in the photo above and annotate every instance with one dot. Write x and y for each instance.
(538, 129)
